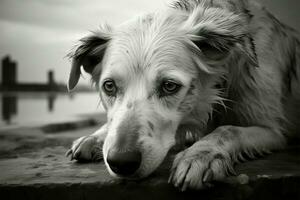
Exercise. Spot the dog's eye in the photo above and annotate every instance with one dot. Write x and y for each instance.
(169, 87)
(109, 87)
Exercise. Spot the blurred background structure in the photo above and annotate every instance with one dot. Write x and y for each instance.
(10, 81)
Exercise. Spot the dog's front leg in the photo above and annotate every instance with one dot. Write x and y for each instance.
(89, 148)
(212, 157)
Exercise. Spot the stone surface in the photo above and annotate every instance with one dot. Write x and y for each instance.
(33, 166)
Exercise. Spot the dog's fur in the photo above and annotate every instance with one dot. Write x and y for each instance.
(238, 67)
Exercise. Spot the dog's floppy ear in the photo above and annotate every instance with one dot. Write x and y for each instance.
(216, 32)
(88, 54)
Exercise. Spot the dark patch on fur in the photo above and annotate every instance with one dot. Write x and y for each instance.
(151, 94)
(151, 125)
(166, 124)
(235, 131)
(191, 89)
(219, 156)
(169, 101)
(148, 19)
(248, 12)
(204, 153)
(220, 142)
(186, 106)
(226, 136)
(253, 47)
(141, 144)
(129, 105)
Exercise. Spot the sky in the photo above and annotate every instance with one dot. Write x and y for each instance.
(39, 33)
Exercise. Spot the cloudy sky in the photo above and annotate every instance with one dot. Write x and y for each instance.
(39, 33)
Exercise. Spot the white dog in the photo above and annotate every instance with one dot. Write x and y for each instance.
(224, 71)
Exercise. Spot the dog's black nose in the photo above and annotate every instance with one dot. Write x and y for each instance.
(124, 163)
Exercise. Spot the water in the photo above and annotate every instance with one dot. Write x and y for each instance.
(25, 109)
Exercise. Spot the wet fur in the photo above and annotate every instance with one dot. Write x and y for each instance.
(240, 69)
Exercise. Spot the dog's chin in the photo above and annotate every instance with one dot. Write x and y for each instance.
(136, 176)
(133, 177)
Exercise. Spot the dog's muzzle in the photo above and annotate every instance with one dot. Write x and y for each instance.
(124, 163)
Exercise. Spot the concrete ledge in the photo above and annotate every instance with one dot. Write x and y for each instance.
(265, 189)
(33, 166)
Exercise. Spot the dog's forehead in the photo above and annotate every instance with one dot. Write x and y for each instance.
(149, 45)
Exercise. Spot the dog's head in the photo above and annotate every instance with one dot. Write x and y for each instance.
(155, 73)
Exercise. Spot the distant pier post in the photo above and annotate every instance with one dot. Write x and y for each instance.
(52, 86)
(9, 71)
(51, 80)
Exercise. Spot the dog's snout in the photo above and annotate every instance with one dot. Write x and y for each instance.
(124, 163)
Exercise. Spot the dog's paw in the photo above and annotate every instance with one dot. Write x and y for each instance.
(199, 165)
(86, 148)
